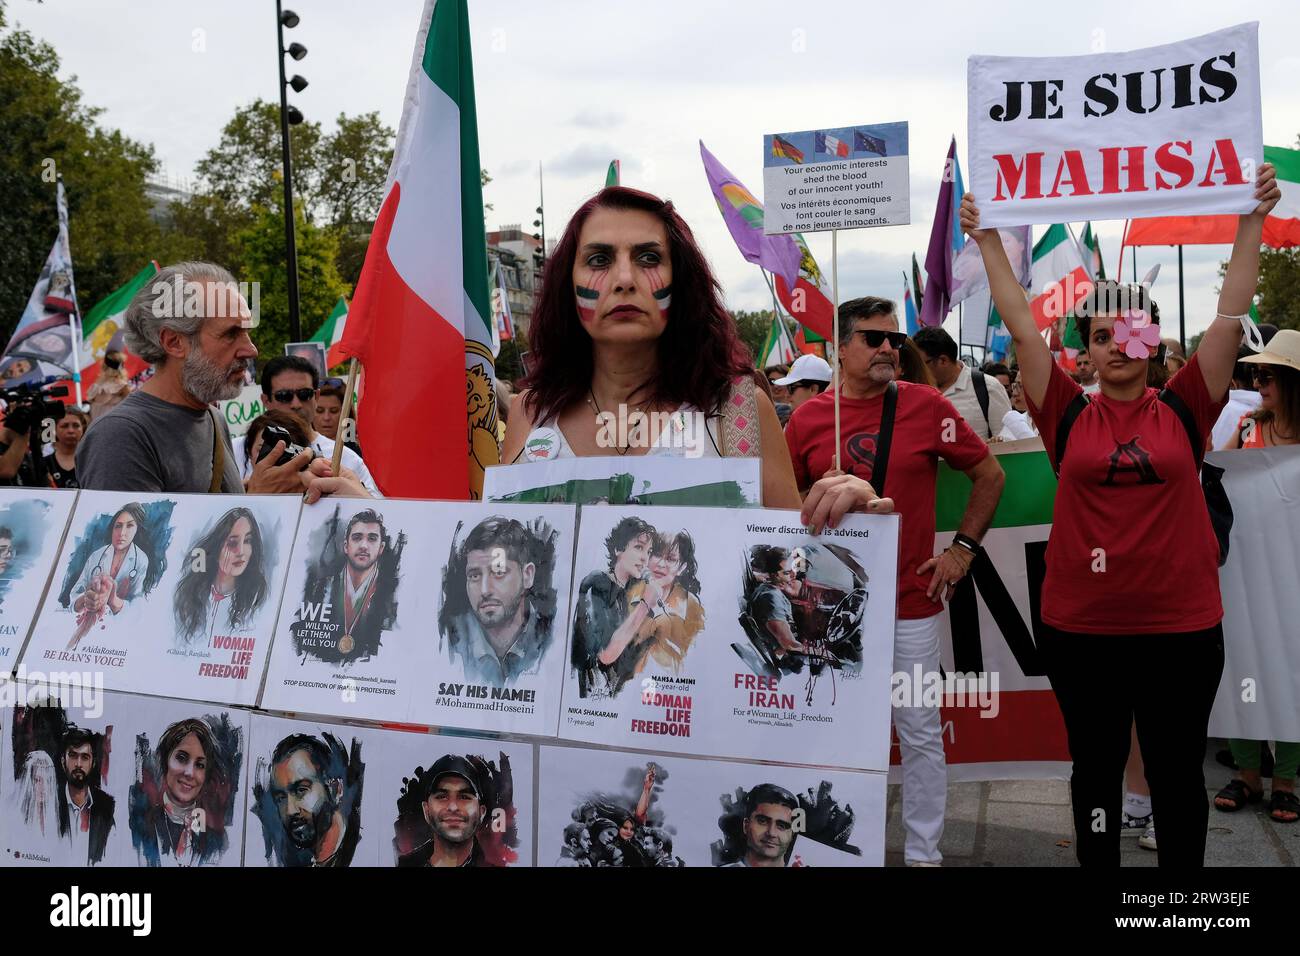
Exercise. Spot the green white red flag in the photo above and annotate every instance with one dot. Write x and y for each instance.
(420, 321)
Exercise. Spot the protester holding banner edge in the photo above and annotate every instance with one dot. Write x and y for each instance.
(1158, 601)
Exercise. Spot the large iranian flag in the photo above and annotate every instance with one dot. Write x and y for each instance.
(1281, 228)
(419, 321)
(331, 334)
(1060, 278)
(102, 329)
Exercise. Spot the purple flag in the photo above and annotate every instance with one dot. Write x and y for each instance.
(743, 215)
(944, 241)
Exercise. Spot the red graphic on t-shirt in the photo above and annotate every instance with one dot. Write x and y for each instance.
(862, 449)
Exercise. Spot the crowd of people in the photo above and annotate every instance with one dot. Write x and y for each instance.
(630, 317)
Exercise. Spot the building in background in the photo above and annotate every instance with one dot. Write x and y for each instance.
(517, 253)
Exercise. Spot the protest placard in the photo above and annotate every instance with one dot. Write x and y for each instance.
(450, 614)
(843, 178)
(32, 522)
(1167, 130)
(167, 594)
(171, 795)
(612, 809)
(242, 409)
(733, 633)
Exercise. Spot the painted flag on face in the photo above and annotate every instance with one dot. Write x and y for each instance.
(420, 320)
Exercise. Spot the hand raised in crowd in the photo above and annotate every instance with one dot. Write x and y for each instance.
(834, 496)
(970, 220)
(949, 568)
(1267, 191)
(268, 478)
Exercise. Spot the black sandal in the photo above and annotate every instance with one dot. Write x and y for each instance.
(1286, 802)
(1240, 795)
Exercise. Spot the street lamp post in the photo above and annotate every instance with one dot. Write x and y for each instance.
(289, 115)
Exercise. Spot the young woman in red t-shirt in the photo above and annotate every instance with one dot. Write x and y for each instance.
(1132, 561)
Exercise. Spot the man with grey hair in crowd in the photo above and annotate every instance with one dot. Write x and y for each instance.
(191, 323)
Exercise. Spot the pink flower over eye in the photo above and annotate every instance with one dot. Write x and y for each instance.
(1138, 339)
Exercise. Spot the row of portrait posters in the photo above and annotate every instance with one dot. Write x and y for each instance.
(718, 632)
(125, 780)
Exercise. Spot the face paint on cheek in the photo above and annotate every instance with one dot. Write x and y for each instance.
(663, 294)
(587, 299)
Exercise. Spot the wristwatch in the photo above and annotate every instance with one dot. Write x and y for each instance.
(967, 543)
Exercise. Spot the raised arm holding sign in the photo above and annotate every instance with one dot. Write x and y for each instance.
(1132, 561)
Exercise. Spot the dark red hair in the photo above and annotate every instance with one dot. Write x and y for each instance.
(700, 352)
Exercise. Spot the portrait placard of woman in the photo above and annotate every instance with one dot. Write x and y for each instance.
(181, 801)
(224, 583)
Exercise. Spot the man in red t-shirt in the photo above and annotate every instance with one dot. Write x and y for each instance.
(926, 428)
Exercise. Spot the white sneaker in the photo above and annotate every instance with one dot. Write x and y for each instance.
(1134, 826)
(1147, 840)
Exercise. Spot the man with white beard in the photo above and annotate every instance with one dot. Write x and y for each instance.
(192, 324)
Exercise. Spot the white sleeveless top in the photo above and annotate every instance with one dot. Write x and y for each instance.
(685, 433)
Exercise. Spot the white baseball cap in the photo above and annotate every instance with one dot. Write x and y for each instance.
(806, 368)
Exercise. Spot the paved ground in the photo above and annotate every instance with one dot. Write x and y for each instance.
(1023, 823)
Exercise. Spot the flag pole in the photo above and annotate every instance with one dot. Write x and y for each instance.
(1182, 317)
(835, 334)
(337, 461)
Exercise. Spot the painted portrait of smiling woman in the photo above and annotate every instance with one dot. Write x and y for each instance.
(224, 582)
(182, 799)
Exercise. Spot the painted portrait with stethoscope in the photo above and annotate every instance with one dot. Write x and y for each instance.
(118, 560)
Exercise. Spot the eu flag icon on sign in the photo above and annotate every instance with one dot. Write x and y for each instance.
(864, 143)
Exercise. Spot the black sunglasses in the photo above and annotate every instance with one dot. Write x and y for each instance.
(285, 395)
(874, 337)
(1264, 376)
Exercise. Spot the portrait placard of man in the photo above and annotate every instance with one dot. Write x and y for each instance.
(85, 810)
(456, 801)
(760, 825)
(768, 826)
(308, 799)
(354, 584)
(498, 600)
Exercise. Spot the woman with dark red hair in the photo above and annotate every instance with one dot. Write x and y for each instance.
(634, 354)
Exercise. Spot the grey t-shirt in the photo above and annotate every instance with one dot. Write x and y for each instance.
(146, 444)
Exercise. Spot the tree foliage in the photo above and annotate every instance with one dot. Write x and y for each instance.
(47, 131)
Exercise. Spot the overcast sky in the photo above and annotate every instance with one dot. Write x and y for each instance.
(576, 83)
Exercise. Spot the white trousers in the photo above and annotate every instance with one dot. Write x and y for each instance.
(920, 738)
